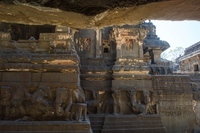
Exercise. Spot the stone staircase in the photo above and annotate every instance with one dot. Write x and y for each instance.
(45, 127)
(133, 124)
(97, 121)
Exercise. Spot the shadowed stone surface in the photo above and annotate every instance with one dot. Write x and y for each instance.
(44, 126)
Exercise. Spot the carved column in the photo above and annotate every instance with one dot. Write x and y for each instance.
(98, 43)
(119, 51)
(141, 55)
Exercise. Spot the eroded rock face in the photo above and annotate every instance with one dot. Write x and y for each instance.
(84, 7)
(87, 14)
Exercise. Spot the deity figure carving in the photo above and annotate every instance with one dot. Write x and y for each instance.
(117, 105)
(129, 44)
(114, 33)
(5, 96)
(80, 109)
(84, 44)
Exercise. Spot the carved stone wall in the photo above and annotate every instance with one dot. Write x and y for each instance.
(40, 80)
(175, 102)
(102, 71)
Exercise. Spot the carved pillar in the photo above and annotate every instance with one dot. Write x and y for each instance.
(98, 43)
(119, 51)
(141, 55)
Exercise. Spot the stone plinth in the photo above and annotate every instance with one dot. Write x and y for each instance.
(45, 127)
(133, 124)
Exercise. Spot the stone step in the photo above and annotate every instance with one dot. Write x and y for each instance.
(130, 126)
(133, 124)
(73, 131)
(45, 127)
(96, 117)
(97, 126)
(97, 121)
(96, 131)
(147, 118)
(135, 130)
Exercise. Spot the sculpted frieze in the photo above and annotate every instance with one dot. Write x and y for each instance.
(55, 36)
(37, 103)
(5, 36)
(143, 105)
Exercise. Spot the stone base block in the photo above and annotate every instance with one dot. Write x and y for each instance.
(133, 124)
(97, 121)
(45, 127)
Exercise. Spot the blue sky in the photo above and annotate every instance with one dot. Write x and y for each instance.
(178, 33)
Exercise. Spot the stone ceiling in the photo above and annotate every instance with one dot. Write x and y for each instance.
(96, 13)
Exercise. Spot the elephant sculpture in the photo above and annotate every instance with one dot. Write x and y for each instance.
(136, 105)
(149, 106)
(79, 109)
(65, 98)
(5, 96)
(17, 99)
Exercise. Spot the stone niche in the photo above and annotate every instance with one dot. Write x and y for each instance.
(85, 42)
(129, 41)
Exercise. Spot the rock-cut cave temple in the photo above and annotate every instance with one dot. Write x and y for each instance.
(102, 77)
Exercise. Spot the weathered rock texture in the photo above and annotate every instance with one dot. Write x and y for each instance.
(90, 14)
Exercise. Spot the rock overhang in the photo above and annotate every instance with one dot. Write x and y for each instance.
(96, 15)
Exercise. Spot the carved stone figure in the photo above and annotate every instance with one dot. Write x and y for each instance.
(148, 106)
(40, 106)
(117, 102)
(17, 100)
(63, 102)
(136, 106)
(65, 98)
(129, 44)
(84, 44)
(153, 104)
(5, 95)
(79, 109)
